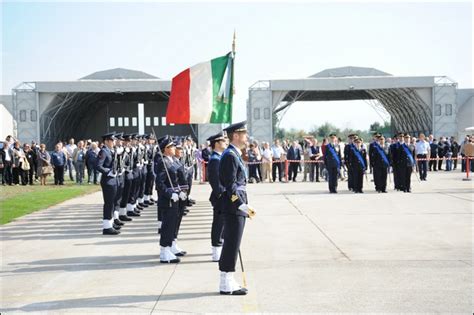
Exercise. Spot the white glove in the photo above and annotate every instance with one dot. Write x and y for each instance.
(182, 195)
(247, 209)
(111, 174)
(174, 197)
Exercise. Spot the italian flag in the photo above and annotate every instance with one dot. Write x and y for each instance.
(203, 93)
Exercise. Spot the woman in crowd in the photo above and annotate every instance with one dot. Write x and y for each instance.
(44, 164)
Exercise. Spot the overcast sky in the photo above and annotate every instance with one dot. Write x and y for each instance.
(66, 41)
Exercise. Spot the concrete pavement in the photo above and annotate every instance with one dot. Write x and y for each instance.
(306, 251)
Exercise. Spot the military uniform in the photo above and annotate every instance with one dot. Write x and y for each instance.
(216, 199)
(380, 164)
(168, 190)
(332, 161)
(233, 177)
(126, 166)
(406, 164)
(358, 160)
(108, 182)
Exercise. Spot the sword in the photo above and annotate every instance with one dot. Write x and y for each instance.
(244, 280)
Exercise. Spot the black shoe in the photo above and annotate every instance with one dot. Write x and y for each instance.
(148, 203)
(172, 261)
(383, 191)
(192, 201)
(138, 207)
(242, 291)
(133, 214)
(181, 254)
(117, 227)
(143, 205)
(118, 222)
(159, 231)
(124, 218)
(110, 231)
(152, 200)
(189, 204)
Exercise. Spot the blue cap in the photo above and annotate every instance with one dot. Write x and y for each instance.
(237, 127)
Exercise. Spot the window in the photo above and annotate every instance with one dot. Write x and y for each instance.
(134, 121)
(120, 121)
(126, 121)
(156, 121)
(112, 121)
(22, 115)
(147, 121)
(449, 109)
(163, 121)
(437, 111)
(33, 115)
(266, 113)
(256, 113)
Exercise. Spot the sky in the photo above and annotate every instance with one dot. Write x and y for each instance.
(282, 40)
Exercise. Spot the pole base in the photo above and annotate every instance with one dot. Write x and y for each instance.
(467, 179)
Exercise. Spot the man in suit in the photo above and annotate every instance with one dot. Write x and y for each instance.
(358, 160)
(380, 164)
(294, 156)
(433, 165)
(406, 164)
(332, 161)
(233, 177)
(218, 145)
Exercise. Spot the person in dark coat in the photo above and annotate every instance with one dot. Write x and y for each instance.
(218, 144)
(332, 162)
(358, 160)
(233, 177)
(294, 156)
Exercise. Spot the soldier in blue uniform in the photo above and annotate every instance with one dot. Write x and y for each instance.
(233, 177)
(133, 210)
(218, 145)
(358, 160)
(168, 192)
(347, 150)
(183, 197)
(108, 182)
(150, 149)
(406, 164)
(126, 166)
(394, 151)
(332, 161)
(119, 170)
(380, 164)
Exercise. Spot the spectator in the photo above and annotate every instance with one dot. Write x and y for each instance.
(440, 153)
(455, 150)
(294, 156)
(91, 161)
(314, 152)
(7, 158)
(35, 149)
(267, 158)
(78, 158)
(18, 161)
(252, 160)
(58, 160)
(70, 151)
(433, 154)
(463, 155)
(277, 153)
(31, 158)
(44, 164)
(422, 150)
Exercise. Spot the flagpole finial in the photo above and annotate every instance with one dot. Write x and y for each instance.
(233, 43)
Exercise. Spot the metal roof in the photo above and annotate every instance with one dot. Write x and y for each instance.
(350, 72)
(118, 74)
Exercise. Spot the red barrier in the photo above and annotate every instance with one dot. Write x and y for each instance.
(468, 166)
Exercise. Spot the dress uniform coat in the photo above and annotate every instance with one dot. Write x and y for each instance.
(332, 160)
(216, 199)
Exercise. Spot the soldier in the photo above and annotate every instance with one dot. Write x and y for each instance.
(380, 164)
(168, 192)
(406, 164)
(108, 182)
(133, 210)
(233, 177)
(332, 161)
(218, 145)
(394, 151)
(126, 167)
(150, 150)
(119, 170)
(347, 150)
(189, 162)
(358, 162)
(183, 198)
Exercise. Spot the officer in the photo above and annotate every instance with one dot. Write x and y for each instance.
(108, 182)
(394, 151)
(142, 173)
(119, 170)
(406, 164)
(332, 161)
(168, 192)
(233, 177)
(358, 161)
(347, 150)
(150, 149)
(133, 210)
(126, 166)
(218, 145)
(183, 198)
(380, 164)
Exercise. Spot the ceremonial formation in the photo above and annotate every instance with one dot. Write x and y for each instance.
(131, 165)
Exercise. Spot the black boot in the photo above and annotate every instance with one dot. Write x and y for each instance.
(118, 222)
(124, 218)
(110, 231)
